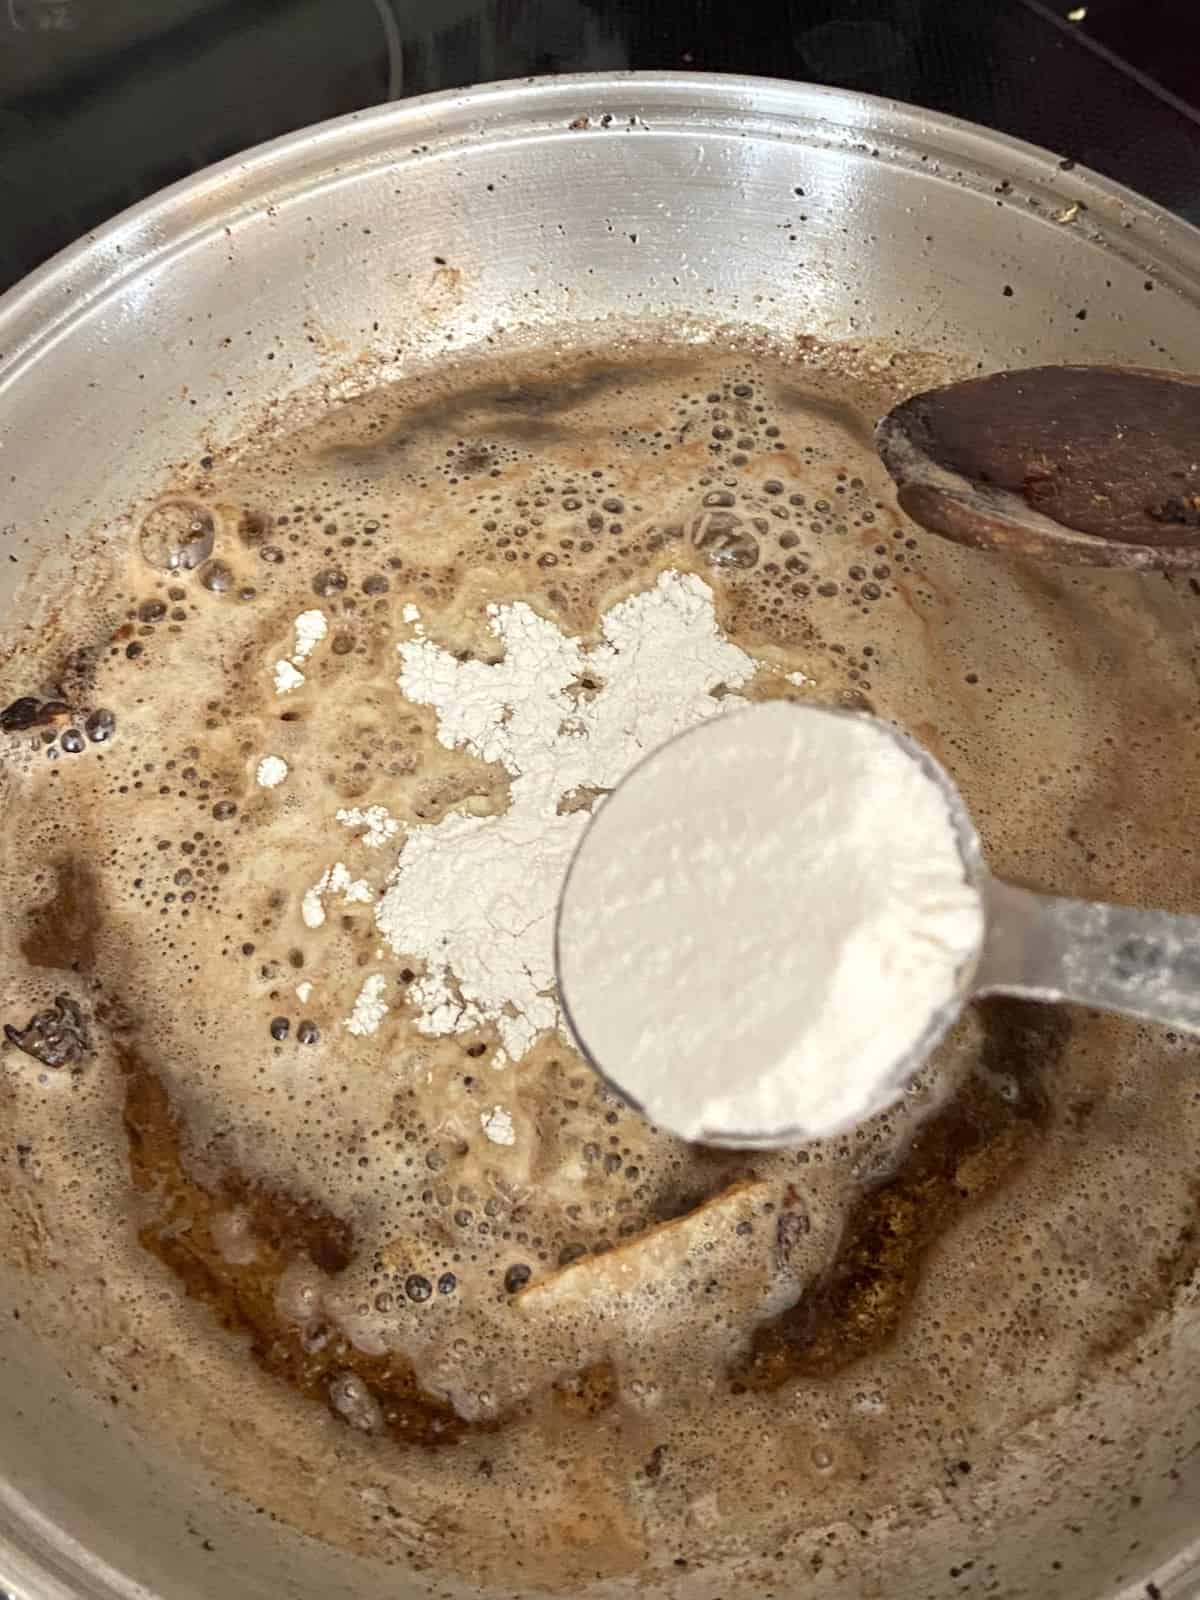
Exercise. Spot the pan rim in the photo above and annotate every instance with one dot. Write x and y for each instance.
(44, 306)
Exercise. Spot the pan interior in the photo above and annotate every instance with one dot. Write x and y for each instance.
(306, 1182)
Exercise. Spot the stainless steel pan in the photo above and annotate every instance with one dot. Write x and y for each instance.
(339, 255)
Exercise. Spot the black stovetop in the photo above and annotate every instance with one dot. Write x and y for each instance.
(104, 101)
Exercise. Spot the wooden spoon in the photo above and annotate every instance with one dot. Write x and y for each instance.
(1093, 465)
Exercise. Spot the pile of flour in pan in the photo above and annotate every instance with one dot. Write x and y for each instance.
(473, 899)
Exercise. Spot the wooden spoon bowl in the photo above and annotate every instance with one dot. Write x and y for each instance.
(1094, 465)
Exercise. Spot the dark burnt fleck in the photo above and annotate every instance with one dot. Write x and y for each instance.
(59, 1037)
(252, 527)
(21, 714)
(1178, 510)
(789, 1230)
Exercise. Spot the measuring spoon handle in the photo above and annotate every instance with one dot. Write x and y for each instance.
(1115, 958)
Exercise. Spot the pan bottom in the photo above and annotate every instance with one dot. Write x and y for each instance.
(285, 1068)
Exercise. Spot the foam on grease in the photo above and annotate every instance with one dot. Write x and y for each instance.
(849, 1317)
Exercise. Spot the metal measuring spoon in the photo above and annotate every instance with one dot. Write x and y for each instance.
(1093, 465)
(1037, 946)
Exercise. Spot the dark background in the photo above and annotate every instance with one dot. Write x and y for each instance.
(104, 101)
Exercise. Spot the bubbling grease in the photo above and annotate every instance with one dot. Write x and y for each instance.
(502, 1295)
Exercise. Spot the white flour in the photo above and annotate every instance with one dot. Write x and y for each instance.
(377, 823)
(370, 1008)
(764, 921)
(336, 880)
(474, 898)
(311, 628)
(286, 677)
(497, 1124)
(271, 771)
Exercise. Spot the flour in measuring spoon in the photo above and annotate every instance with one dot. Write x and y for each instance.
(473, 899)
(813, 861)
